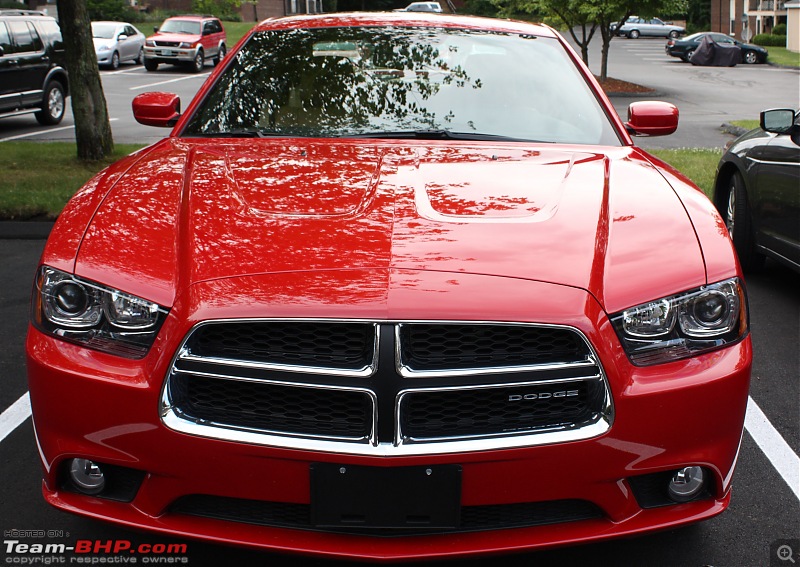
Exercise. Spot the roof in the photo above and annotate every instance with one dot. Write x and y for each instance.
(406, 19)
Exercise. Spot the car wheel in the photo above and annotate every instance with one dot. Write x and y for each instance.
(150, 65)
(633, 34)
(750, 57)
(199, 61)
(740, 225)
(673, 34)
(53, 104)
(114, 60)
(220, 55)
(689, 54)
(140, 57)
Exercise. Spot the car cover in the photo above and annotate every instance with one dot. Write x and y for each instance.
(709, 52)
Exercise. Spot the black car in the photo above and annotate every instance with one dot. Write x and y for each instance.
(757, 191)
(32, 74)
(685, 48)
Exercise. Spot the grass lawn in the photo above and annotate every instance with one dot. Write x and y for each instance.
(29, 190)
(746, 124)
(784, 57)
(698, 164)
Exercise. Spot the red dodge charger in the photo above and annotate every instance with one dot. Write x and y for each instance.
(399, 275)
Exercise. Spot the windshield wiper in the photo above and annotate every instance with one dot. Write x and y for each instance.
(245, 133)
(436, 135)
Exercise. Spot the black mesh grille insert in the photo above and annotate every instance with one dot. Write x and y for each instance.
(448, 346)
(473, 518)
(290, 409)
(330, 345)
(450, 413)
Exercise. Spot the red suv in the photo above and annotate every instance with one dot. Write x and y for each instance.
(188, 40)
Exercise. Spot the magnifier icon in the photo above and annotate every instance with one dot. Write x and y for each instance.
(785, 553)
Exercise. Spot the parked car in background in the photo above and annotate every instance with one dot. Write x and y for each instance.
(33, 79)
(396, 286)
(757, 190)
(186, 40)
(423, 7)
(117, 42)
(685, 48)
(653, 27)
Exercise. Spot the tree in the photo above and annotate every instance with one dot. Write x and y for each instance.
(558, 13)
(92, 127)
(592, 15)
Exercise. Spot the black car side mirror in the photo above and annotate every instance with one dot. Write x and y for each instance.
(777, 120)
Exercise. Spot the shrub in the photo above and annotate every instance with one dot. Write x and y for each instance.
(780, 29)
(770, 40)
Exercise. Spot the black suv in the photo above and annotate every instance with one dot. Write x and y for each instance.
(32, 74)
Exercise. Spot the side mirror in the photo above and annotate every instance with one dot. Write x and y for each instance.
(777, 120)
(652, 118)
(122, 37)
(157, 109)
(155, 29)
(2, 51)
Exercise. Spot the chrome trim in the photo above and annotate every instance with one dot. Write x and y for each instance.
(168, 411)
(603, 421)
(399, 439)
(364, 372)
(174, 422)
(408, 372)
(770, 162)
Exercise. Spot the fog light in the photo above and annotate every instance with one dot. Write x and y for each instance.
(686, 484)
(87, 476)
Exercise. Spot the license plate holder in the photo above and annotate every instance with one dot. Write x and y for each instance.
(397, 498)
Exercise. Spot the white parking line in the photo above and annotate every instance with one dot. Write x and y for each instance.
(775, 447)
(150, 85)
(15, 416)
(40, 132)
(121, 71)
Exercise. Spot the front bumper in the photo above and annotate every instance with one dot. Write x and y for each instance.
(171, 55)
(90, 405)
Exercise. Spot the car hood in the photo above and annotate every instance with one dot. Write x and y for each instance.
(195, 211)
(102, 42)
(176, 37)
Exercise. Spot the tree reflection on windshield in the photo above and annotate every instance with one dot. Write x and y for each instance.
(333, 82)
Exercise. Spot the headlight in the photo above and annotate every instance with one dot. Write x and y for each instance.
(150, 43)
(103, 48)
(683, 325)
(186, 45)
(94, 315)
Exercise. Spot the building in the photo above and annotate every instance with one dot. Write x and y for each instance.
(743, 19)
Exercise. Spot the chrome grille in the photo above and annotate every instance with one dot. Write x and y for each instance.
(504, 409)
(386, 388)
(441, 347)
(274, 407)
(339, 346)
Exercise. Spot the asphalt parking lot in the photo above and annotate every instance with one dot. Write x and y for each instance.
(764, 516)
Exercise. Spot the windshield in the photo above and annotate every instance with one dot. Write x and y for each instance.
(180, 26)
(102, 30)
(387, 82)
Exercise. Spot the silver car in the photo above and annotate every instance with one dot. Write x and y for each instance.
(117, 42)
(653, 27)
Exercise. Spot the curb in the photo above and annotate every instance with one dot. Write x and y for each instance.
(733, 130)
(25, 230)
